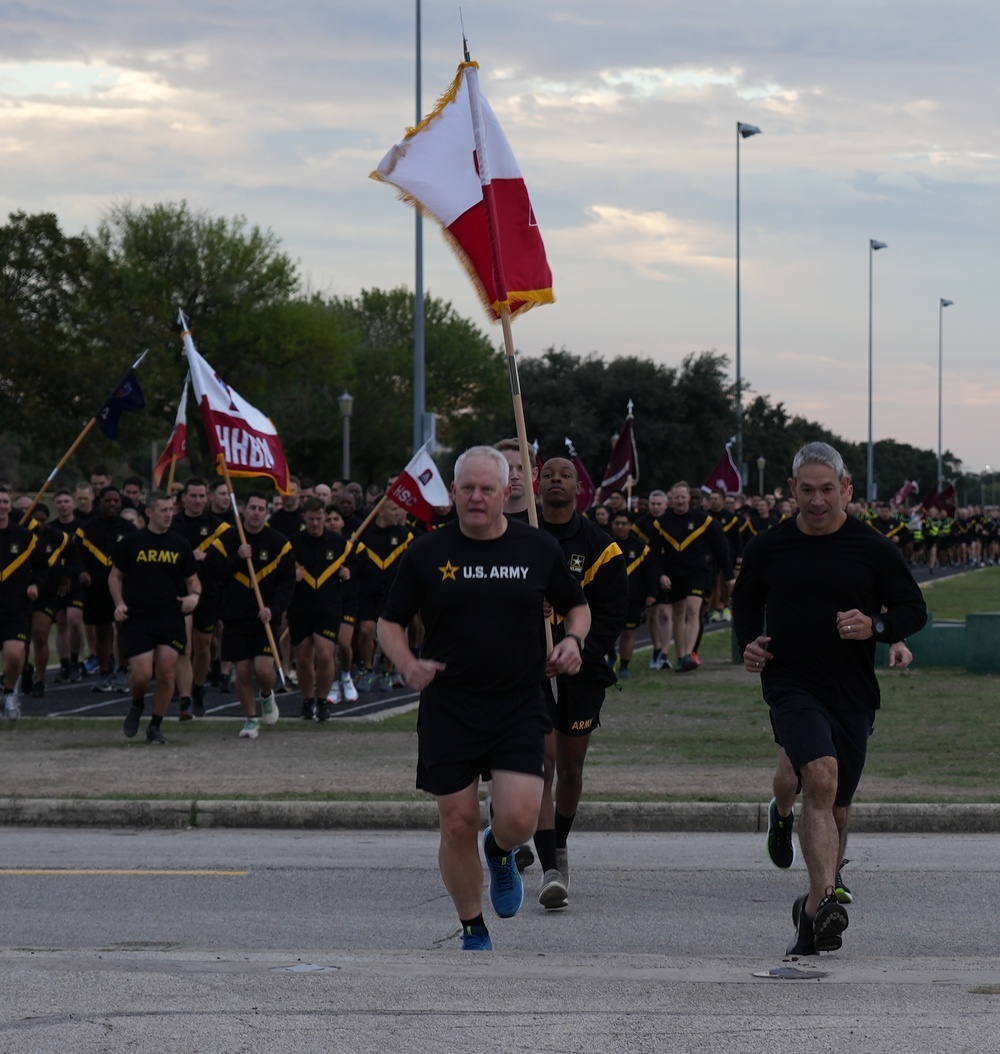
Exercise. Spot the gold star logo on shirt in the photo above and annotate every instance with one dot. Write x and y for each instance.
(448, 572)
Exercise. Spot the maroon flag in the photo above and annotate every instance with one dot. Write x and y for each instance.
(623, 466)
(941, 497)
(725, 476)
(898, 500)
(585, 499)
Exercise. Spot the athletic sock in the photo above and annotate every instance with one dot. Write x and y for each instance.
(493, 850)
(74, 658)
(64, 665)
(198, 695)
(156, 720)
(140, 703)
(545, 847)
(477, 921)
(623, 664)
(656, 654)
(563, 824)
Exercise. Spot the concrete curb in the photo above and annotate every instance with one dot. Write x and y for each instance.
(708, 817)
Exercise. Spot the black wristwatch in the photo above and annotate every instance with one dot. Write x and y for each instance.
(578, 639)
(878, 626)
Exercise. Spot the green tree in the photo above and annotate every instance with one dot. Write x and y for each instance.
(466, 379)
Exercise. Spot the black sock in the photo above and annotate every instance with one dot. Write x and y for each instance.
(493, 850)
(623, 664)
(198, 694)
(140, 703)
(156, 720)
(656, 653)
(563, 824)
(477, 921)
(74, 658)
(64, 665)
(545, 847)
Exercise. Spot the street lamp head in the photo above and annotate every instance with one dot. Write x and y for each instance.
(761, 463)
(876, 245)
(747, 130)
(946, 303)
(346, 404)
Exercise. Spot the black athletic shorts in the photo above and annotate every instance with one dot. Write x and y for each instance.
(303, 624)
(577, 712)
(148, 630)
(350, 601)
(98, 607)
(807, 729)
(635, 614)
(245, 638)
(464, 753)
(14, 627)
(206, 614)
(47, 605)
(694, 584)
(370, 603)
(73, 599)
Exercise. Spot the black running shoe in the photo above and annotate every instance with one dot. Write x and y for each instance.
(130, 726)
(154, 735)
(523, 857)
(308, 709)
(804, 942)
(780, 847)
(38, 690)
(322, 713)
(841, 889)
(829, 923)
(187, 711)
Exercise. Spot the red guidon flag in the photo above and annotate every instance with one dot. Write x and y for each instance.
(176, 447)
(239, 435)
(419, 488)
(725, 476)
(438, 169)
(588, 491)
(623, 465)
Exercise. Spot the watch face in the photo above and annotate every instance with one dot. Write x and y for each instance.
(878, 625)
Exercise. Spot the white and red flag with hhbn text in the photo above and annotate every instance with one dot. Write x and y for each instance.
(239, 435)
(419, 488)
(438, 168)
(176, 447)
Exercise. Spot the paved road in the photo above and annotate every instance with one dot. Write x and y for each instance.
(346, 942)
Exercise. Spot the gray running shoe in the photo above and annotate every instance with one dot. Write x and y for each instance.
(553, 893)
(562, 864)
(12, 706)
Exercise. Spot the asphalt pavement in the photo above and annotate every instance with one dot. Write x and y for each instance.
(225, 941)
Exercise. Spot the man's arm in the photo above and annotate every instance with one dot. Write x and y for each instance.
(190, 602)
(396, 648)
(567, 656)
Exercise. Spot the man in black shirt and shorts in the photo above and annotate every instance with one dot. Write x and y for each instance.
(479, 586)
(153, 584)
(828, 588)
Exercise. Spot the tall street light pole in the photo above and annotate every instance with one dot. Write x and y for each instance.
(942, 304)
(873, 247)
(346, 404)
(743, 131)
(419, 367)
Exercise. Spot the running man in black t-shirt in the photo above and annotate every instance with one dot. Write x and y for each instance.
(153, 585)
(828, 587)
(479, 587)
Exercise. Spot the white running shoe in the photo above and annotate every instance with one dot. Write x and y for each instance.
(334, 697)
(250, 729)
(350, 693)
(12, 706)
(554, 893)
(269, 712)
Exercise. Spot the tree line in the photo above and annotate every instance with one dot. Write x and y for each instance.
(76, 311)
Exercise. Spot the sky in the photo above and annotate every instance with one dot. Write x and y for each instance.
(878, 120)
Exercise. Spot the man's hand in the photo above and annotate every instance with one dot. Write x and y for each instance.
(565, 657)
(189, 602)
(854, 625)
(121, 612)
(265, 614)
(756, 655)
(900, 654)
(421, 672)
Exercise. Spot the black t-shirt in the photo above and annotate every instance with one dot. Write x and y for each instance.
(155, 569)
(799, 582)
(481, 605)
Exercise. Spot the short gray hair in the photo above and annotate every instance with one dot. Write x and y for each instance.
(490, 454)
(819, 454)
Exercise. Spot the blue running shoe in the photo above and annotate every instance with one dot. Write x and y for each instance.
(506, 890)
(476, 939)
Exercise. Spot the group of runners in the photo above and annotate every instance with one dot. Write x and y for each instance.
(458, 612)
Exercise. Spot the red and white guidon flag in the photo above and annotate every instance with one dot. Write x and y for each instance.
(438, 169)
(239, 435)
(176, 447)
(419, 487)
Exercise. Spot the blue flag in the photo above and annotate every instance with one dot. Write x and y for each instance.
(126, 395)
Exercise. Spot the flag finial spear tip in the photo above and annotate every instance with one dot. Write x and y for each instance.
(465, 43)
(631, 408)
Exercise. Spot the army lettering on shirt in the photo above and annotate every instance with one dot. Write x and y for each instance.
(155, 569)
